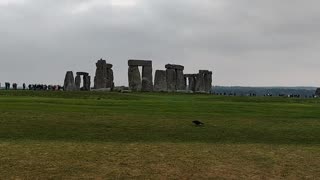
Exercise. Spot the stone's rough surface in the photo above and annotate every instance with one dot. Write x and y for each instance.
(69, 84)
(134, 78)
(175, 77)
(160, 81)
(171, 80)
(86, 83)
(174, 66)
(134, 62)
(78, 82)
(110, 78)
(208, 80)
(203, 81)
(199, 83)
(181, 81)
(104, 75)
(147, 79)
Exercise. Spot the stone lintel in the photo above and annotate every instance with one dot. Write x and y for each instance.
(174, 66)
(135, 62)
(82, 74)
(190, 75)
(205, 72)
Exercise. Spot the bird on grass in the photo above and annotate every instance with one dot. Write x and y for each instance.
(198, 123)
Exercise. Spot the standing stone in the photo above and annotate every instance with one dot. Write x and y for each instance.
(199, 85)
(208, 81)
(147, 82)
(14, 86)
(181, 81)
(86, 83)
(7, 85)
(104, 75)
(171, 80)
(78, 82)
(110, 78)
(134, 78)
(160, 81)
(69, 84)
(191, 81)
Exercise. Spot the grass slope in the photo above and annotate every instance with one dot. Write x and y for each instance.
(150, 136)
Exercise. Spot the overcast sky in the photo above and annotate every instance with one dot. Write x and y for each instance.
(244, 42)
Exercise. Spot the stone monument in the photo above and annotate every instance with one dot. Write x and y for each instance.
(136, 83)
(104, 75)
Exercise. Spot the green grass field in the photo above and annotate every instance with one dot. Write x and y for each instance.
(95, 135)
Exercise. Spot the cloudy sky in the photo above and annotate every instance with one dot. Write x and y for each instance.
(244, 42)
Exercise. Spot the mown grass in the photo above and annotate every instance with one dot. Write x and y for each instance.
(150, 136)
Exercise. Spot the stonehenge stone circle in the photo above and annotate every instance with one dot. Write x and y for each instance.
(160, 81)
(170, 80)
(104, 75)
(69, 84)
(136, 83)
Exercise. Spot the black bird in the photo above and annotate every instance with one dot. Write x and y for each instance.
(198, 123)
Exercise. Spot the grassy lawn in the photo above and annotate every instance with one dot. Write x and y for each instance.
(95, 135)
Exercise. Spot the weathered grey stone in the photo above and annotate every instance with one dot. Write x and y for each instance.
(191, 81)
(86, 83)
(203, 81)
(208, 81)
(174, 66)
(134, 78)
(171, 80)
(147, 80)
(199, 87)
(110, 78)
(135, 62)
(78, 82)
(160, 81)
(69, 84)
(181, 81)
(104, 75)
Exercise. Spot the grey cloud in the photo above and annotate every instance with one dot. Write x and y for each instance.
(245, 42)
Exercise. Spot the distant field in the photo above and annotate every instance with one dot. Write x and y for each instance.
(71, 135)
